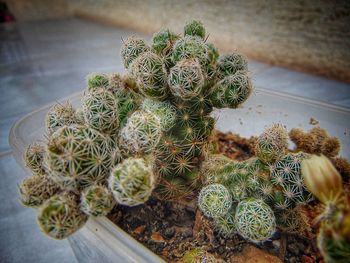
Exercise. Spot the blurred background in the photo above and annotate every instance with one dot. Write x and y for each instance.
(48, 47)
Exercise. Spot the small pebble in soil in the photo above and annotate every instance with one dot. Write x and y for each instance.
(187, 233)
(169, 232)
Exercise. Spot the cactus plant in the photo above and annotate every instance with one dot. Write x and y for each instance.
(131, 49)
(142, 132)
(272, 143)
(101, 111)
(132, 181)
(60, 216)
(150, 75)
(78, 157)
(59, 115)
(35, 190)
(255, 220)
(286, 173)
(198, 255)
(147, 129)
(34, 157)
(214, 200)
(225, 224)
(96, 200)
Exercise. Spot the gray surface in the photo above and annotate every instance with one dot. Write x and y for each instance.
(44, 61)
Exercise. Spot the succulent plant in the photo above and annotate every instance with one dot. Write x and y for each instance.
(101, 111)
(132, 181)
(190, 47)
(231, 91)
(272, 143)
(131, 49)
(162, 43)
(199, 255)
(225, 224)
(59, 115)
(97, 81)
(35, 190)
(142, 132)
(229, 64)
(147, 129)
(194, 28)
(286, 173)
(165, 111)
(255, 220)
(78, 157)
(150, 75)
(214, 200)
(96, 200)
(34, 158)
(186, 79)
(60, 216)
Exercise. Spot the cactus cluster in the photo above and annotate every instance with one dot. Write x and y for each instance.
(136, 134)
(263, 189)
(147, 133)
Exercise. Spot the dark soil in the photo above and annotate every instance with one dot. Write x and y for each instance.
(169, 229)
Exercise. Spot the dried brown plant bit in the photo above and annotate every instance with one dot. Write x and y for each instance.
(313, 121)
(294, 220)
(304, 141)
(343, 166)
(331, 147)
(319, 135)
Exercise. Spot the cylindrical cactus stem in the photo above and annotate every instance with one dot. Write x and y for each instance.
(132, 181)
(214, 200)
(34, 158)
(163, 110)
(59, 217)
(272, 144)
(229, 64)
(141, 133)
(35, 190)
(101, 111)
(231, 91)
(59, 115)
(96, 200)
(150, 75)
(186, 79)
(255, 220)
(132, 48)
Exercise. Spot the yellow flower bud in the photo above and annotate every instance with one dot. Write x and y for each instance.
(322, 179)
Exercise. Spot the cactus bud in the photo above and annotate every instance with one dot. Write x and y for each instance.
(322, 179)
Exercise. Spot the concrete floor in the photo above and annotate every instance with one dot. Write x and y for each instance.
(43, 61)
